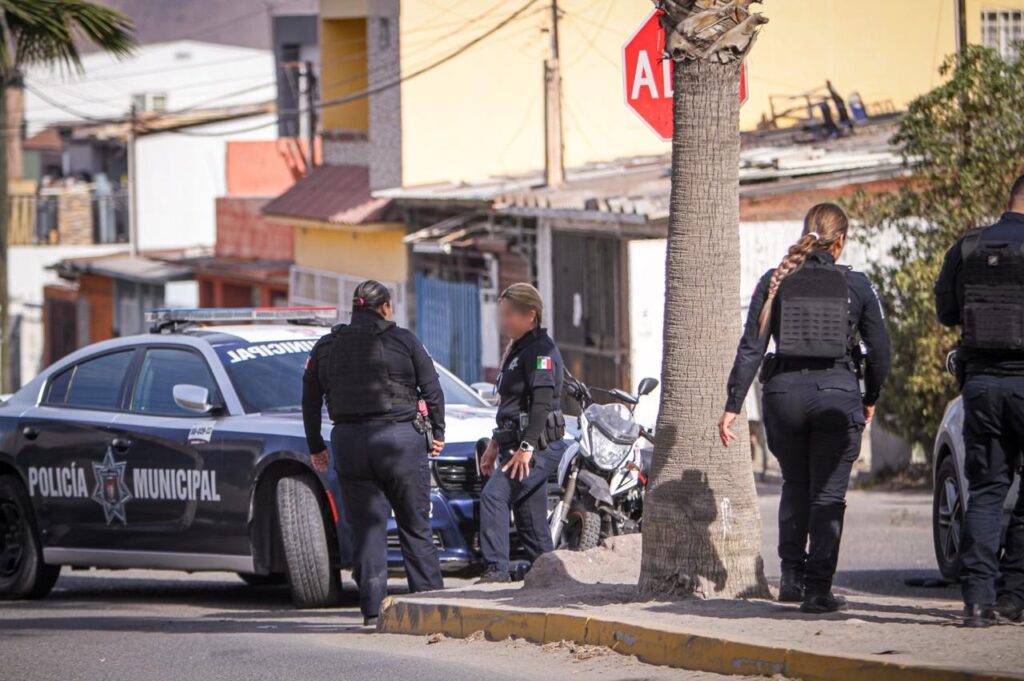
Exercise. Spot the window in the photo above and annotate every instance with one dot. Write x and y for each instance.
(145, 102)
(92, 384)
(161, 370)
(1002, 30)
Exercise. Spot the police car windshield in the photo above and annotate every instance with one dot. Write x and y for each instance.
(268, 376)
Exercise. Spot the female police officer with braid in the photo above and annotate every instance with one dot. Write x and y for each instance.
(814, 412)
(373, 374)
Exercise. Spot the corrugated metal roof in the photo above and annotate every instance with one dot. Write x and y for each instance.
(638, 188)
(129, 268)
(333, 194)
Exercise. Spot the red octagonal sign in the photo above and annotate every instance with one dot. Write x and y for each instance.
(648, 76)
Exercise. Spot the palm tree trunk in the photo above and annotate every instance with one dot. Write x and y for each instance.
(6, 385)
(702, 526)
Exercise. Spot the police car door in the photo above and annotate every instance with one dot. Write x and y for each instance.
(171, 461)
(68, 452)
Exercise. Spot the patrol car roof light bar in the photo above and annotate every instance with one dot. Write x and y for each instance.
(171, 320)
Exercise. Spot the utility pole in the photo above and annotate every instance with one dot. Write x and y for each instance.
(960, 9)
(554, 165)
(133, 201)
(311, 112)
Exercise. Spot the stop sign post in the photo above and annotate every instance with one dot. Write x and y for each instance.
(648, 76)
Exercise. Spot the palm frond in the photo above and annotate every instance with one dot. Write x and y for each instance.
(50, 31)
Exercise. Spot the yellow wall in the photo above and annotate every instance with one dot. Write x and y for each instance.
(371, 252)
(343, 72)
(482, 113)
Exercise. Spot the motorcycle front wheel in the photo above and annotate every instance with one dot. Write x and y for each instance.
(582, 528)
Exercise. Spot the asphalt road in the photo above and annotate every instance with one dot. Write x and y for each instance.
(161, 625)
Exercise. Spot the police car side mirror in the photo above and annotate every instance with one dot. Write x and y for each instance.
(647, 386)
(193, 398)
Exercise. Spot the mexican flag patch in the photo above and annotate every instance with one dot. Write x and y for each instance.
(544, 363)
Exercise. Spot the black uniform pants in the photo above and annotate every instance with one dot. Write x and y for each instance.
(814, 421)
(994, 438)
(526, 499)
(383, 467)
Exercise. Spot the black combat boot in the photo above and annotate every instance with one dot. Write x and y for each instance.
(494, 575)
(791, 586)
(979, 616)
(1010, 608)
(822, 603)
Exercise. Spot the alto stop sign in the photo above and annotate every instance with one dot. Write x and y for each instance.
(648, 76)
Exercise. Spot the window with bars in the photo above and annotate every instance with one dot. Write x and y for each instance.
(1002, 30)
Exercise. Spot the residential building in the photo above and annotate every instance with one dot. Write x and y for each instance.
(253, 252)
(342, 236)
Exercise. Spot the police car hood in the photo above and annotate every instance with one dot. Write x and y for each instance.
(463, 423)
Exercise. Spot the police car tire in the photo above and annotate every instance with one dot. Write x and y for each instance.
(314, 584)
(34, 578)
(950, 569)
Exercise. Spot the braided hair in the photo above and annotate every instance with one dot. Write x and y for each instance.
(370, 295)
(824, 225)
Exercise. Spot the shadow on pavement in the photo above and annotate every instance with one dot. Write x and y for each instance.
(564, 591)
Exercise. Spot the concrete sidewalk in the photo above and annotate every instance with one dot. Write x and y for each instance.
(877, 638)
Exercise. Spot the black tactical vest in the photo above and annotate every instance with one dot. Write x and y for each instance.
(993, 293)
(359, 384)
(812, 313)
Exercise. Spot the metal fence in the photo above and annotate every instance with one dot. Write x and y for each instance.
(448, 323)
(319, 287)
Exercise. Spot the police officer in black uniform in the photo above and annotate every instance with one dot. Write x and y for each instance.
(373, 374)
(527, 444)
(981, 288)
(814, 411)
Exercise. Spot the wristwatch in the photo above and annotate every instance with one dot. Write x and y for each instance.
(526, 446)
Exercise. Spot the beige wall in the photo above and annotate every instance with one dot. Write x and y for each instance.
(481, 114)
(371, 252)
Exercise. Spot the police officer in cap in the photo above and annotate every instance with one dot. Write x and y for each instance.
(527, 444)
(981, 288)
(373, 375)
(814, 411)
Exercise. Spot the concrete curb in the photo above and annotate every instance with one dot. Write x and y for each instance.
(683, 650)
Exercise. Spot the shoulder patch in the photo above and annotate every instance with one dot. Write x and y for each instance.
(545, 363)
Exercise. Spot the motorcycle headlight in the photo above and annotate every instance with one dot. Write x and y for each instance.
(605, 453)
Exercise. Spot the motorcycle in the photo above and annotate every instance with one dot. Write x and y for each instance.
(603, 474)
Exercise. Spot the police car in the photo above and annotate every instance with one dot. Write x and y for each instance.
(184, 449)
(950, 491)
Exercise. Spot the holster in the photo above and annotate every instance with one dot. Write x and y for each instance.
(769, 366)
(506, 437)
(423, 426)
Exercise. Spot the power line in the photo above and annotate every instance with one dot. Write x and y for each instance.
(430, 67)
(394, 83)
(340, 100)
(149, 72)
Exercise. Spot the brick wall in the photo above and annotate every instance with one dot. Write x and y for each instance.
(242, 231)
(793, 205)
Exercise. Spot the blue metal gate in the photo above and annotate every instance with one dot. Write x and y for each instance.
(448, 323)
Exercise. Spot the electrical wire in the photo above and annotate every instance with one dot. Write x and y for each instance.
(389, 85)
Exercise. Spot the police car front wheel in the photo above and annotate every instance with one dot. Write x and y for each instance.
(314, 583)
(23, 574)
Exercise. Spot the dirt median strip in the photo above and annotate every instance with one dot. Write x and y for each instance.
(683, 650)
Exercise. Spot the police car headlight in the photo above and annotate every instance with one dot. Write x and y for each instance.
(605, 453)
